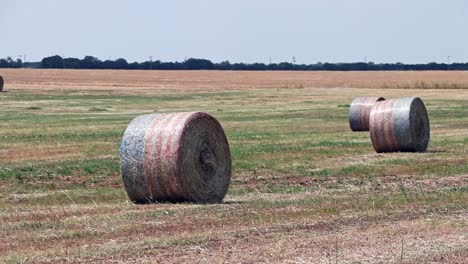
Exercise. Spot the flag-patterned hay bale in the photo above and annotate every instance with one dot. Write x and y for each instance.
(1, 83)
(399, 125)
(359, 112)
(175, 157)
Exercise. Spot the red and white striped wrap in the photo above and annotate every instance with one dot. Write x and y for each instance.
(381, 127)
(175, 157)
(359, 112)
(399, 125)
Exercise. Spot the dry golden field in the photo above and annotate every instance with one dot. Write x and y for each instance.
(207, 80)
(305, 189)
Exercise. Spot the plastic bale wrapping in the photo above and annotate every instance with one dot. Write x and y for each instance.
(175, 157)
(400, 125)
(1, 83)
(359, 112)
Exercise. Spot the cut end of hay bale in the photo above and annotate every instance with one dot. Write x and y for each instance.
(400, 125)
(359, 112)
(175, 157)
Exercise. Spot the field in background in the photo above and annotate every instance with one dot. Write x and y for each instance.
(304, 188)
(146, 81)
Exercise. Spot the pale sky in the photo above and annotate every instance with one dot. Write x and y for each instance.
(409, 31)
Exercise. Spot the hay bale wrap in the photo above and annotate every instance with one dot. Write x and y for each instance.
(399, 125)
(359, 112)
(175, 157)
(1, 83)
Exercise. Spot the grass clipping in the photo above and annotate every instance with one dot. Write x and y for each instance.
(175, 157)
(399, 125)
(359, 112)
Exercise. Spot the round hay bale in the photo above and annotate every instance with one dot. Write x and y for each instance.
(1, 83)
(359, 112)
(399, 125)
(175, 157)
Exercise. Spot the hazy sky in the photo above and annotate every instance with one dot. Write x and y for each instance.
(410, 31)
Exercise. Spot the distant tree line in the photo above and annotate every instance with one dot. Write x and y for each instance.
(90, 62)
(10, 63)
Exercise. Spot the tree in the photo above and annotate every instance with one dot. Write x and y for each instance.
(3, 63)
(53, 62)
(198, 64)
(121, 64)
(71, 63)
(90, 62)
(225, 65)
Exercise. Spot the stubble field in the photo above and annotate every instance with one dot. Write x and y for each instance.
(305, 189)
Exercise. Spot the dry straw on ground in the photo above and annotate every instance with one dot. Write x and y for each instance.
(175, 157)
(399, 125)
(359, 112)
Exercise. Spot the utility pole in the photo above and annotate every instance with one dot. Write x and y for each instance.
(22, 59)
(151, 62)
(448, 63)
(270, 60)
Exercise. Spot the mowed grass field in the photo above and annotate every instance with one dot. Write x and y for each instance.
(305, 189)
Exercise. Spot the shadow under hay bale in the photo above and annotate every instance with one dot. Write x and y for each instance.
(175, 157)
(399, 125)
(359, 112)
